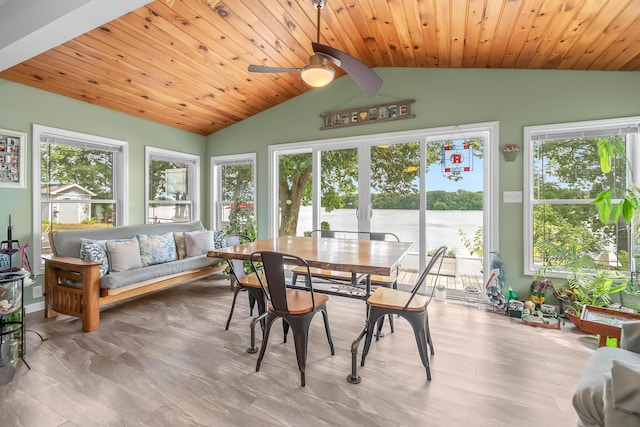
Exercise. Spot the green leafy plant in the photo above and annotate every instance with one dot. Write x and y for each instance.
(633, 286)
(589, 283)
(608, 149)
(474, 243)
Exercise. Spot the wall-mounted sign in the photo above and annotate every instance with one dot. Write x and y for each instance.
(456, 158)
(397, 110)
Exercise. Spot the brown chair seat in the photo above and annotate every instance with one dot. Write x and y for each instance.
(300, 302)
(396, 300)
(251, 281)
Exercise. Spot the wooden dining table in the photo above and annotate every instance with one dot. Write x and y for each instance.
(368, 257)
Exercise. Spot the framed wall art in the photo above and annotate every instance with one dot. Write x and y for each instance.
(13, 157)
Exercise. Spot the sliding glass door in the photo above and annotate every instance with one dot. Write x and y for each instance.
(429, 188)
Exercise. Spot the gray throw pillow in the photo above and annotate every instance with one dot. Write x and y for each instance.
(124, 255)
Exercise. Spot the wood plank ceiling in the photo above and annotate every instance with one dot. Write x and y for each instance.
(185, 65)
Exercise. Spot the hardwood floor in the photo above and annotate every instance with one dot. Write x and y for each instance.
(166, 360)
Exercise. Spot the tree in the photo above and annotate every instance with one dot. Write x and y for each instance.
(91, 169)
(237, 187)
(339, 176)
(568, 169)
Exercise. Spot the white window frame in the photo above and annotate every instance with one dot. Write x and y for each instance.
(216, 182)
(120, 177)
(193, 172)
(583, 128)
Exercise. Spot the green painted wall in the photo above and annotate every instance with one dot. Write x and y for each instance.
(446, 97)
(22, 106)
(515, 98)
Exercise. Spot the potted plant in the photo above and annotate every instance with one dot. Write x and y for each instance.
(589, 283)
(630, 295)
(510, 152)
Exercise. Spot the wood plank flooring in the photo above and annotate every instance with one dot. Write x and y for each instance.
(165, 360)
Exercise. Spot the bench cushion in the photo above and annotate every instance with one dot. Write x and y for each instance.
(115, 280)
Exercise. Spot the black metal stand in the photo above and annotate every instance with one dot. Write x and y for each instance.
(12, 330)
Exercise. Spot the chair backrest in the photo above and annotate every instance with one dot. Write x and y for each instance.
(237, 265)
(274, 266)
(432, 268)
(360, 235)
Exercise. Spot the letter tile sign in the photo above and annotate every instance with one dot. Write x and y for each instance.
(391, 111)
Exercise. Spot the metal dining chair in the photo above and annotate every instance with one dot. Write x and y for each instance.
(409, 305)
(241, 281)
(296, 307)
(346, 277)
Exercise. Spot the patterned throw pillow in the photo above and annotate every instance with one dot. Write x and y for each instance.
(181, 245)
(157, 248)
(96, 251)
(219, 239)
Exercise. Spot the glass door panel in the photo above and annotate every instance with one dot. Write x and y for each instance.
(294, 194)
(454, 203)
(394, 196)
(339, 189)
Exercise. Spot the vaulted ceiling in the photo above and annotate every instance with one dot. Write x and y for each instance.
(185, 65)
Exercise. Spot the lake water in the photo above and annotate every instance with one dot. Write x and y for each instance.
(442, 226)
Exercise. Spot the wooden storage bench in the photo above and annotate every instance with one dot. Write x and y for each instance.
(73, 286)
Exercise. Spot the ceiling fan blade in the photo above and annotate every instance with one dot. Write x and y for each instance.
(366, 78)
(262, 69)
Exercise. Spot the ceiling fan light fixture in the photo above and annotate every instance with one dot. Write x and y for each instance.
(317, 73)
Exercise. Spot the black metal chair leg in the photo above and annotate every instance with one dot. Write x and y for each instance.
(429, 341)
(265, 339)
(325, 316)
(420, 332)
(252, 303)
(236, 291)
(285, 329)
(300, 326)
(371, 325)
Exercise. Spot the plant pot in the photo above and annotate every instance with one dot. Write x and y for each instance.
(630, 300)
(510, 156)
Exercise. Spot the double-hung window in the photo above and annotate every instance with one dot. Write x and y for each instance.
(234, 192)
(173, 186)
(562, 178)
(80, 184)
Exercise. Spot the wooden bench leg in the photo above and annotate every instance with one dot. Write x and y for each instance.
(91, 301)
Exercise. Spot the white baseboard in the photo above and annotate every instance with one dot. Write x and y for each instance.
(37, 306)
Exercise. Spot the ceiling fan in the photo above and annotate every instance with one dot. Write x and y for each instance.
(319, 74)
